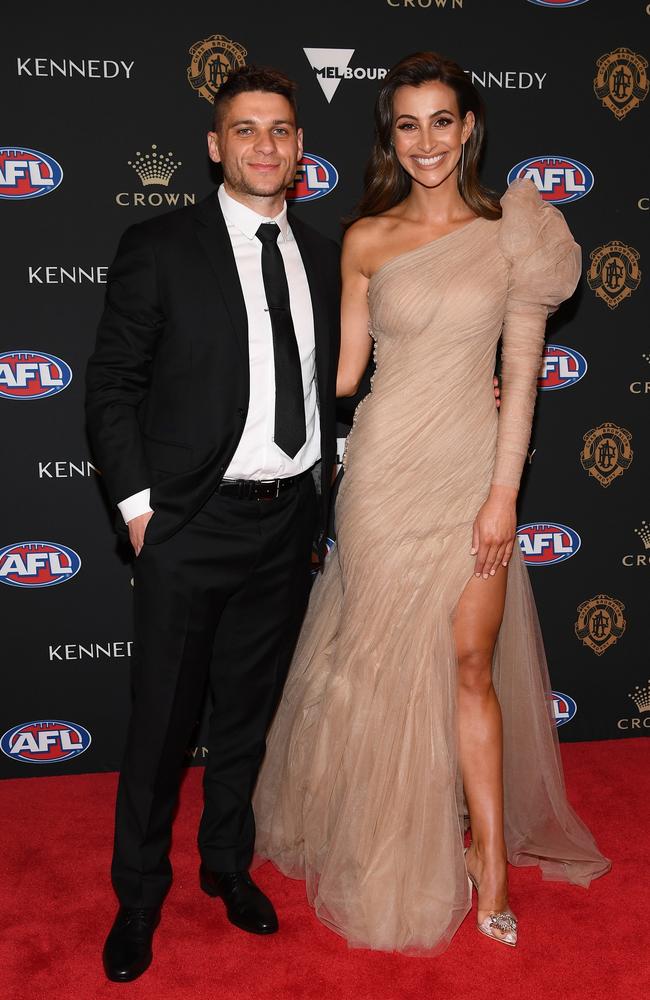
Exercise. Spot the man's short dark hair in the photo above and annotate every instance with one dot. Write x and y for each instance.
(252, 78)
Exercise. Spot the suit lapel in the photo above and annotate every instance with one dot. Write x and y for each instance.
(213, 236)
(318, 303)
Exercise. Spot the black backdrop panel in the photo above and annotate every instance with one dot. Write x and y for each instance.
(98, 100)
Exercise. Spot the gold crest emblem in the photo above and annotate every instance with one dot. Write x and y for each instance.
(213, 60)
(600, 623)
(621, 81)
(606, 453)
(614, 272)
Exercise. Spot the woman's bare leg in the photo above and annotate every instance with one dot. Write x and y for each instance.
(476, 626)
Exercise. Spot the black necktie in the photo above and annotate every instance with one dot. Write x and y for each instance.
(290, 432)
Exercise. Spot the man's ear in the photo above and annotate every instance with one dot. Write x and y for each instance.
(300, 138)
(213, 147)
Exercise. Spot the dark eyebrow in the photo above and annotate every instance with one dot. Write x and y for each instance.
(253, 121)
(434, 114)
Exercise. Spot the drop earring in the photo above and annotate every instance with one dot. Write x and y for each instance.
(462, 162)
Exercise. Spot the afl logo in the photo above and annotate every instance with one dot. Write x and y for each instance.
(32, 375)
(48, 742)
(547, 544)
(564, 707)
(558, 3)
(315, 177)
(37, 564)
(558, 178)
(26, 173)
(561, 367)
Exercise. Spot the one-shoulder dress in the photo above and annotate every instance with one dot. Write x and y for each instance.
(360, 793)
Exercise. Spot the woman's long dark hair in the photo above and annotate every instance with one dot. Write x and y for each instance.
(386, 183)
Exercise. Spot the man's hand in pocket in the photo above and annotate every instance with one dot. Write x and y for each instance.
(137, 527)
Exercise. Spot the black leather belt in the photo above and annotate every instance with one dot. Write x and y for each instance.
(258, 489)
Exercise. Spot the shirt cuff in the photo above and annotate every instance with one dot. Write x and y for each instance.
(135, 505)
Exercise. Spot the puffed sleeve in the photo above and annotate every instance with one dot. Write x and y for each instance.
(544, 268)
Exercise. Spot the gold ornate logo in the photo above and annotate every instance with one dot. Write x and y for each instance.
(614, 272)
(155, 167)
(621, 82)
(600, 623)
(213, 60)
(607, 452)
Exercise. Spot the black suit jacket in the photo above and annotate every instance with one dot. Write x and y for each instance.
(168, 382)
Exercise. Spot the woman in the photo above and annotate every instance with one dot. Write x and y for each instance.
(417, 699)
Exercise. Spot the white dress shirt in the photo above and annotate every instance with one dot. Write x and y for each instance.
(257, 456)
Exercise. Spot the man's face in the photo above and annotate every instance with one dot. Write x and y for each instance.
(257, 144)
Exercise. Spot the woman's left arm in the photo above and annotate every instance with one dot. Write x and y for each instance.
(522, 345)
(544, 269)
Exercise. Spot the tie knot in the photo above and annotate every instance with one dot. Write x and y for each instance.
(268, 232)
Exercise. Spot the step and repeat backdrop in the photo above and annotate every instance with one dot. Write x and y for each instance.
(104, 125)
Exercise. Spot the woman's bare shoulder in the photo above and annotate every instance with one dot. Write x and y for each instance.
(366, 236)
(370, 227)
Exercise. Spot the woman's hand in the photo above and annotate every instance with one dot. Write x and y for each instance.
(494, 531)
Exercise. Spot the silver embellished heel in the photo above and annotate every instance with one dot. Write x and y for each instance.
(504, 922)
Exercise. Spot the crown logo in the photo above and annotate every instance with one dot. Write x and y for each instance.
(154, 167)
(646, 357)
(641, 697)
(644, 534)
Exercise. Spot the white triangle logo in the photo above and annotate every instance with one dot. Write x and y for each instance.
(325, 61)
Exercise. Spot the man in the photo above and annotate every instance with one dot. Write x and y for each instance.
(210, 400)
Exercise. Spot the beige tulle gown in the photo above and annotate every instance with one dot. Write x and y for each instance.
(360, 792)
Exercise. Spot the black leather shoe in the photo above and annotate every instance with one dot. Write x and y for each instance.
(246, 905)
(127, 952)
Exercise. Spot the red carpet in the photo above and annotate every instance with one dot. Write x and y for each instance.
(57, 906)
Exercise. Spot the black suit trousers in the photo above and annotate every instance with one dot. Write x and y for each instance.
(220, 602)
